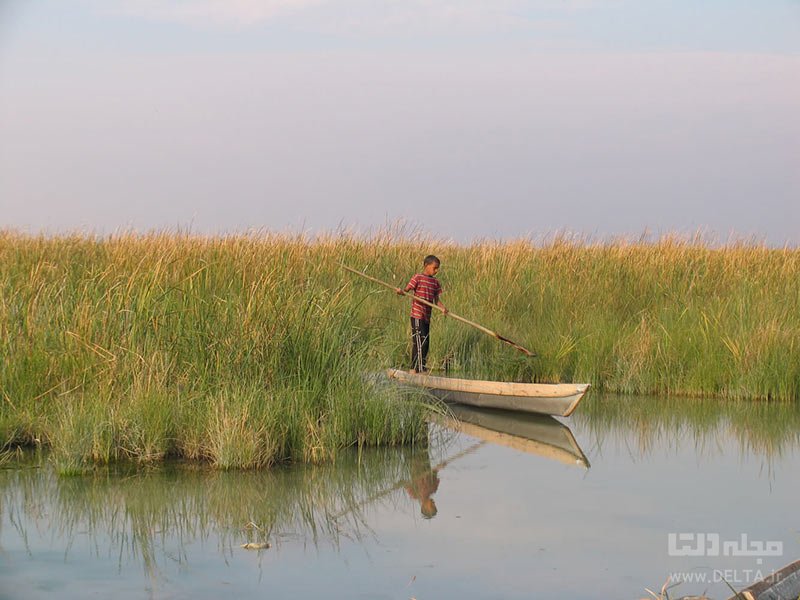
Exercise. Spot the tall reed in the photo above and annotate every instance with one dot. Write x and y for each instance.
(250, 350)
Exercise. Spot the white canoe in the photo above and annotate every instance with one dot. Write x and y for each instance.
(559, 399)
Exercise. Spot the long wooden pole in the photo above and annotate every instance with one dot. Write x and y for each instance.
(449, 313)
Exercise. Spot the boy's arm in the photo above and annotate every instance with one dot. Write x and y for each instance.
(411, 285)
(439, 301)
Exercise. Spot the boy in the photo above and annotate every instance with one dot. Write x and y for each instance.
(423, 285)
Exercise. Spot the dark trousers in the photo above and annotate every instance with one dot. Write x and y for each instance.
(420, 342)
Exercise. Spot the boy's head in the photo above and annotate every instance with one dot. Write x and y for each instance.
(430, 265)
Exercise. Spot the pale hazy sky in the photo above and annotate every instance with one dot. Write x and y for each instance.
(469, 119)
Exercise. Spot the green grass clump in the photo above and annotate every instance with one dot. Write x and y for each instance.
(237, 351)
(247, 351)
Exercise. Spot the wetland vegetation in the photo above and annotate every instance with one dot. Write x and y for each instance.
(247, 351)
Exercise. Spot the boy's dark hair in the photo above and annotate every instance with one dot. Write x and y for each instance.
(431, 259)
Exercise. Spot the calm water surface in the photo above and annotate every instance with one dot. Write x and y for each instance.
(495, 508)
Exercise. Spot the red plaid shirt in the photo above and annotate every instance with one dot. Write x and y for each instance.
(428, 288)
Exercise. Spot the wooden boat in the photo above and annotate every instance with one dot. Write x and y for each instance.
(541, 435)
(559, 399)
(781, 585)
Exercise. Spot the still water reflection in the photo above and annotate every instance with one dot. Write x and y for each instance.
(496, 507)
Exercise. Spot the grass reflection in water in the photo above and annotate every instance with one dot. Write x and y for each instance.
(152, 514)
(762, 429)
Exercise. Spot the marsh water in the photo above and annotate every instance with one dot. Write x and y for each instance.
(605, 504)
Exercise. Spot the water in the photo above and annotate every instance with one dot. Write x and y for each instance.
(519, 509)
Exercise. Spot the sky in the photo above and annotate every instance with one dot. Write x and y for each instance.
(467, 120)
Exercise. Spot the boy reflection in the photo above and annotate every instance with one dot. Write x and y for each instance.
(423, 484)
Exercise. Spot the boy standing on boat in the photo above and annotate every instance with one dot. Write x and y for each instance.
(425, 286)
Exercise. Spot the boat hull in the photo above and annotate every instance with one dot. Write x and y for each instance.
(540, 398)
(784, 583)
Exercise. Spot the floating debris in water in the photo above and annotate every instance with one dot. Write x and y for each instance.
(256, 545)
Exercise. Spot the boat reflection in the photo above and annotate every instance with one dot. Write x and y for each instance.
(534, 434)
(147, 516)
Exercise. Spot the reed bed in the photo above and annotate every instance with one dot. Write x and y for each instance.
(251, 350)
